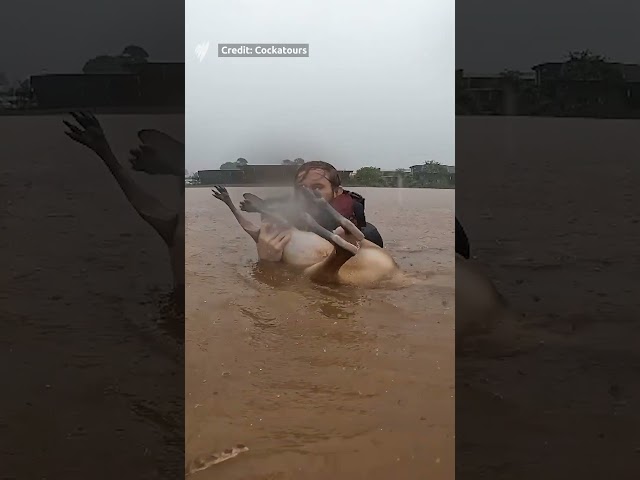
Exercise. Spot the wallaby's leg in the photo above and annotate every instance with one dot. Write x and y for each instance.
(327, 270)
(320, 203)
(250, 201)
(255, 204)
(149, 160)
(160, 154)
(247, 225)
(330, 236)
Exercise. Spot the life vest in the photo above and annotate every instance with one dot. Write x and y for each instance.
(351, 206)
(344, 204)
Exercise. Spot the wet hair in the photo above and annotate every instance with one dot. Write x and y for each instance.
(330, 171)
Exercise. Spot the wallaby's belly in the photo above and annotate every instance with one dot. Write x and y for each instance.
(306, 249)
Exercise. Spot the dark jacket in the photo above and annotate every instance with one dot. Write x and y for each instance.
(462, 241)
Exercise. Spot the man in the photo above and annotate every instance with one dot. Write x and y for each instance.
(323, 178)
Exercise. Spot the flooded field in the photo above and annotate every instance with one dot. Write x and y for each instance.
(321, 382)
(81, 294)
(318, 382)
(563, 407)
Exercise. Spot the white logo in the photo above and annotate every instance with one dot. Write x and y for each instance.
(201, 50)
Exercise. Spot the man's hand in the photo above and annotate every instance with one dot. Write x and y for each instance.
(271, 242)
(90, 135)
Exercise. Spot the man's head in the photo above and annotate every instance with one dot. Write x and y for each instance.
(321, 177)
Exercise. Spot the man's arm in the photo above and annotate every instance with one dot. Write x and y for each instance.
(271, 242)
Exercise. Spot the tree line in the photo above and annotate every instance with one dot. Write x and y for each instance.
(431, 175)
(126, 61)
(241, 162)
(587, 85)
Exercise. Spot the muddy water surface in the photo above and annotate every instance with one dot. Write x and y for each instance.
(321, 382)
(89, 375)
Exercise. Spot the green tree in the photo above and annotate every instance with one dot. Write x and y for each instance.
(465, 102)
(193, 179)
(237, 165)
(299, 161)
(23, 93)
(512, 76)
(105, 64)
(287, 162)
(435, 168)
(131, 56)
(591, 85)
(434, 174)
(135, 52)
(588, 66)
(368, 177)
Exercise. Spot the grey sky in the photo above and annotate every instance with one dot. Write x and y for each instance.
(495, 35)
(377, 88)
(491, 35)
(61, 36)
(377, 101)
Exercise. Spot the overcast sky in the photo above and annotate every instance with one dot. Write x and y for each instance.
(60, 36)
(377, 88)
(493, 35)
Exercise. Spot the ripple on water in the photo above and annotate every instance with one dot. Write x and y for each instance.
(347, 365)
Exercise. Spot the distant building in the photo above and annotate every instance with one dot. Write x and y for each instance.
(393, 175)
(555, 71)
(422, 172)
(149, 84)
(615, 87)
(256, 175)
(221, 177)
(490, 93)
(85, 90)
(590, 88)
(395, 172)
(269, 174)
(278, 174)
(161, 83)
(345, 174)
(7, 93)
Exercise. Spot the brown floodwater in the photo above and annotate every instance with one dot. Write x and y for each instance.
(83, 285)
(563, 407)
(321, 381)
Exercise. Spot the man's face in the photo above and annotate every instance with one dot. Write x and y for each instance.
(316, 180)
